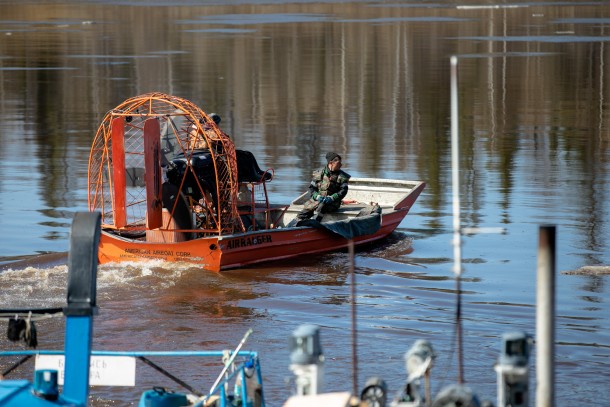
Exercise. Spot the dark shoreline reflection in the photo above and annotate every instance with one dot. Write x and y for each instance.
(293, 80)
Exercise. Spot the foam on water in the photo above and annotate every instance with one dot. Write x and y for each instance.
(46, 286)
(33, 287)
(157, 273)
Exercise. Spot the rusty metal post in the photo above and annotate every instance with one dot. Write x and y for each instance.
(545, 318)
(352, 272)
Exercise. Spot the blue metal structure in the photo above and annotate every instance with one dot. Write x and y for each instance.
(79, 312)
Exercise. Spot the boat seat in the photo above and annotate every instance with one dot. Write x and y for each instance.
(248, 169)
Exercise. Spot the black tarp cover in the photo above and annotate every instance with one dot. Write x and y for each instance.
(367, 222)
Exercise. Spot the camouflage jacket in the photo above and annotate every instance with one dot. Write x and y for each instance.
(327, 183)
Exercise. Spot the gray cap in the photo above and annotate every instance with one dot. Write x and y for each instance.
(331, 156)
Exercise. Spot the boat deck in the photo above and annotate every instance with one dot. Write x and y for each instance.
(363, 193)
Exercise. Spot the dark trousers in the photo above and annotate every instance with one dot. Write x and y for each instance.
(318, 208)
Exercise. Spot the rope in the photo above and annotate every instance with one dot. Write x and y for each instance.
(35, 314)
(30, 336)
(21, 323)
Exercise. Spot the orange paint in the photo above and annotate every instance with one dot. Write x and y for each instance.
(204, 252)
(152, 176)
(118, 172)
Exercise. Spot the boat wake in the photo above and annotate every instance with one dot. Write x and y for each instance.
(155, 273)
(33, 287)
(45, 286)
(396, 245)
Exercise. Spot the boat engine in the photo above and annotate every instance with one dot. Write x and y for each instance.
(201, 173)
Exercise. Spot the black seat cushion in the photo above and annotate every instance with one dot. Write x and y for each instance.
(248, 169)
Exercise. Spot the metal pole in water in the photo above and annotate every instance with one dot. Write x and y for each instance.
(455, 170)
(353, 304)
(545, 318)
(457, 233)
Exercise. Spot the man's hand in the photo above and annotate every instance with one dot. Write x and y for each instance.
(328, 200)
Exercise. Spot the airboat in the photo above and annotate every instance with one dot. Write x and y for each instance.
(171, 185)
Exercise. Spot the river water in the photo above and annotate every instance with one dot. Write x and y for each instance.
(291, 81)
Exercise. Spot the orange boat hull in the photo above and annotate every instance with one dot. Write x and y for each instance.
(204, 252)
(215, 254)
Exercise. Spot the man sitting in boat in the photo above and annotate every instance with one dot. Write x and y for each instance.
(196, 139)
(328, 187)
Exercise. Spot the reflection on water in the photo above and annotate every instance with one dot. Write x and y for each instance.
(291, 82)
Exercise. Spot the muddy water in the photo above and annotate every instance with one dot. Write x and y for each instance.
(292, 81)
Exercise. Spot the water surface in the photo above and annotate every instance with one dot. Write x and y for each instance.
(291, 81)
